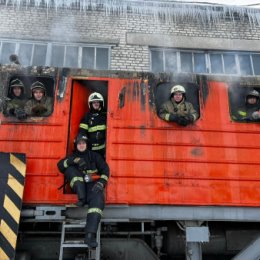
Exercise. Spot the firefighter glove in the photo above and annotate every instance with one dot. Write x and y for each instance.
(82, 165)
(255, 115)
(11, 111)
(189, 119)
(39, 109)
(98, 187)
(70, 161)
(183, 121)
(20, 113)
(173, 117)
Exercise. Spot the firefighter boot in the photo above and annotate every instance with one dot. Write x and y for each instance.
(92, 223)
(90, 240)
(80, 190)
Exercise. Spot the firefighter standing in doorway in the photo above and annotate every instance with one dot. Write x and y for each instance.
(88, 173)
(177, 109)
(93, 125)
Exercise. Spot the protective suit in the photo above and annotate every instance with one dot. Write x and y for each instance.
(15, 106)
(87, 173)
(179, 111)
(42, 106)
(93, 125)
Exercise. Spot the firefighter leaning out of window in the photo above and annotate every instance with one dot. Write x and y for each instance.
(39, 104)
(15, 106)
(251, 110)
(177, 109)
(88, 173)
(93, 124)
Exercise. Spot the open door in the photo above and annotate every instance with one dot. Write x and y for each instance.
(81, 89)
(79, 106)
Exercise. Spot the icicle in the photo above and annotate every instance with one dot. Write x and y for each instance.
(167, 10)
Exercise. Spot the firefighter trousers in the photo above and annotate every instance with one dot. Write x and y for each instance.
(94, 200)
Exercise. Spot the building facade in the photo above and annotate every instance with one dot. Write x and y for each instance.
(194, 39)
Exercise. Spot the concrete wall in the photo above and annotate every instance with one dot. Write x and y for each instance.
(131, 36)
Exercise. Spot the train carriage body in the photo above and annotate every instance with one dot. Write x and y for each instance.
(213, 162)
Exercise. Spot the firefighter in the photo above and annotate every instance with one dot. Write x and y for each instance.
(250, 111)
(177, 109)
(94, 124)
(39, 104)
(88, 173)
(15, 106)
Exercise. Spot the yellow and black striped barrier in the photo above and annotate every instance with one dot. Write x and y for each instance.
(12, 177)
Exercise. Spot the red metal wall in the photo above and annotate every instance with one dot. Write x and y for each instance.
(44, 141)
(213, 162)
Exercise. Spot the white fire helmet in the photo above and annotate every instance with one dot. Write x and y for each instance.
(178, 88)
(253, 93)
(96, 97)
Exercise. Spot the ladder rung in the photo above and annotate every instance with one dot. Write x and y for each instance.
(73, 242)
(74, 245)
(74, 225)
(68, 242)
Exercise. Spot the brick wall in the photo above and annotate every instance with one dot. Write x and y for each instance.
(97, 27)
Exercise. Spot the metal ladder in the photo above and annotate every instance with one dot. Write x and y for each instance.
(75, 228)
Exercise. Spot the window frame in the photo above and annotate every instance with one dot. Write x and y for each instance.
(49, 83)
(208, 64)
(236, 100)
(49, 47)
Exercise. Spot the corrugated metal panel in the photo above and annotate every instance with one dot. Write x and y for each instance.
(213, 162)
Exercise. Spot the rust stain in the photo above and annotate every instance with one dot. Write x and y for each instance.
(198, 151)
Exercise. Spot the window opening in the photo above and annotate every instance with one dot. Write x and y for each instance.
(56, 54)
(199, 63)
(22, 103)
(245, 65)
(244, 103)
(186, 62)
(163, 94)
(256, 63)
(228, 63)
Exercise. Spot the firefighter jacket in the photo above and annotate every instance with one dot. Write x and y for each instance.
(43, 107)
(245, 113)
(94, 166)
(14, 104)
(93, 125)
(181, 109)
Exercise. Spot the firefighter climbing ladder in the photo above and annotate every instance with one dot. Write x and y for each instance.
(12, 178)
(73, 241)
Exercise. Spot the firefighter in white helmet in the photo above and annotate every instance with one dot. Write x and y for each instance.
(251, 110)
(177, 109)
(93, 125)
